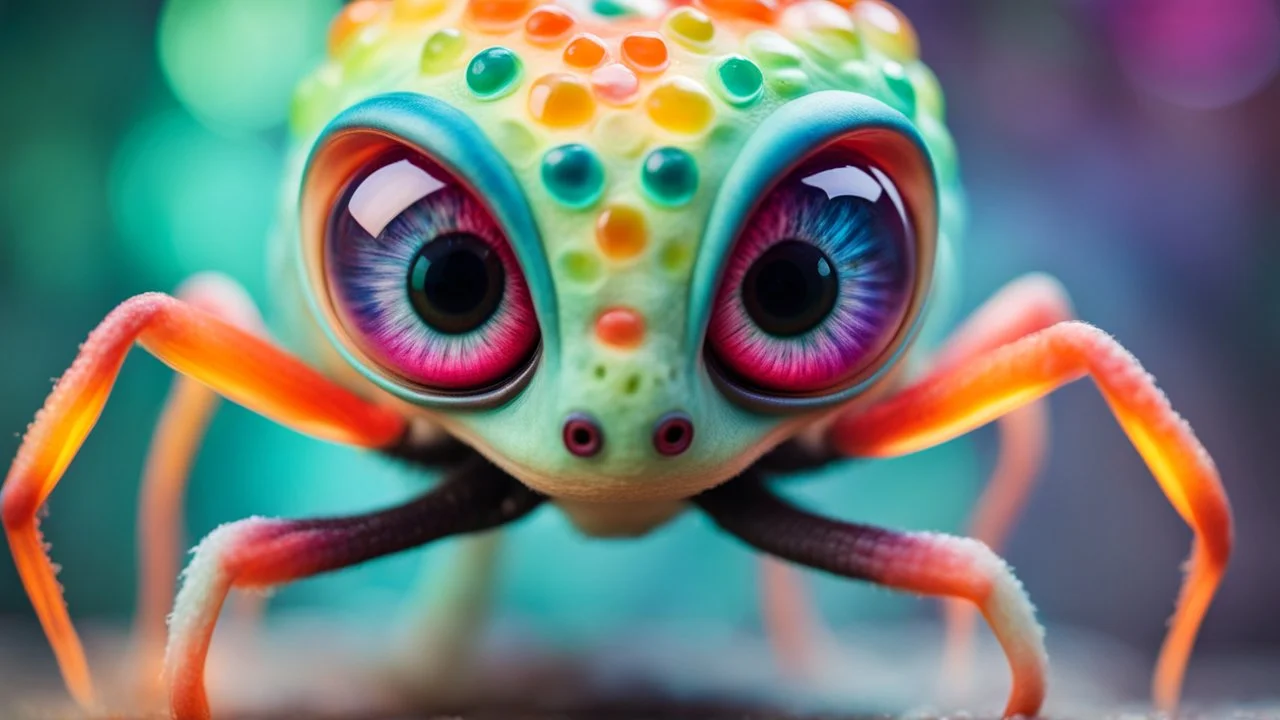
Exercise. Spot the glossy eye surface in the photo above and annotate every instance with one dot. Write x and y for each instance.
(424, 280)
(819, 281)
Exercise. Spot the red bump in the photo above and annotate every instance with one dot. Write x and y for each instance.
(620, 327)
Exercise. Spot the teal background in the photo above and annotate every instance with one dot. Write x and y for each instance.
(1130, 149)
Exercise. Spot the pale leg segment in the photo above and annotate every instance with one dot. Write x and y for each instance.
(922, 563)
(258, 553)
(980, 390)
(228, 359)
(177, 439)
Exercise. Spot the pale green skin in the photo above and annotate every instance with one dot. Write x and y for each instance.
(523, 435)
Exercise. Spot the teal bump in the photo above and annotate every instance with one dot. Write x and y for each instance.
(493, 73)
(670, 176)
(741, 82)
(573, 175)
(904, 93)
(611, 8)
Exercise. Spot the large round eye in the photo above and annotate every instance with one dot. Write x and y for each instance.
(819, 280)
(423, 279)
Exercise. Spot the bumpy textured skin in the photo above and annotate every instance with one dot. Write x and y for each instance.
(823, 67)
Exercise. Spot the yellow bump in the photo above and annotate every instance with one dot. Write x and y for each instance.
(690, 27)
(681, 105)
(561, 100)
(887, 29)
(621, 232)
(416, 10)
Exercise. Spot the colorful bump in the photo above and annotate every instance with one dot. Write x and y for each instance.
(680, 105)
(740, 81)
(669, 176)
(561, 100)
(645, 52)
(441, 51)
(573, 175)
(620, 327)
(622, 232)
(585, 51)
(548, 25)
(493, 73)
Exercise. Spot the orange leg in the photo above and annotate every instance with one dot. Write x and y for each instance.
(1025, 306)
(980, 390)
(232, 361)
(179, 433)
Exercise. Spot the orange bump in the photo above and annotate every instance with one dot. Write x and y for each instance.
(762, 10)
(621, 232)
(351, 20)
(585, 51)
(548, 25)
(496, 15)
(561, 100)
(645, 52)
(620, 327)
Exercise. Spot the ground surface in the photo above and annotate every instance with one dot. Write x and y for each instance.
(313, 668)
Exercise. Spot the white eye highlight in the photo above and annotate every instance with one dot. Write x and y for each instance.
(389, 191)
(847, 181)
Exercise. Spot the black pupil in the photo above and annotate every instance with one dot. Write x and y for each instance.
(790, 289)
(456, 283)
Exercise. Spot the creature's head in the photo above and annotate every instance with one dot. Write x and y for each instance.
(622, 250)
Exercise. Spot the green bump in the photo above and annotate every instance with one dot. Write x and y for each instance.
(573, 175)
(441, 51)
(741, 82)
(675, 258)
(670, 176)
(493, 73)
(789, 82)
(584, 268)
(895, 76)
(773, 51)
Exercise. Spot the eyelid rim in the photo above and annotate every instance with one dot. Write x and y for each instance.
(451, 139)
(784, 140)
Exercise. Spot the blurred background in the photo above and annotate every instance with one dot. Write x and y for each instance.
(1130, 148)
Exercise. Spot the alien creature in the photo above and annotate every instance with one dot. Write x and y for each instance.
(629, 260)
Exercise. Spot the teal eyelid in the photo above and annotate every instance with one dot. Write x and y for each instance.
(449, 137)
(784, 139)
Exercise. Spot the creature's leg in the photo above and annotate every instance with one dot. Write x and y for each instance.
(446, 613)
(1025, 306)
(174, 445)
(259, 553)
(975, 392)
(235, 363)
(925, 563)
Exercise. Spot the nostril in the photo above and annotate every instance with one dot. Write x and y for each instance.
(673, 434)
(582, 435)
